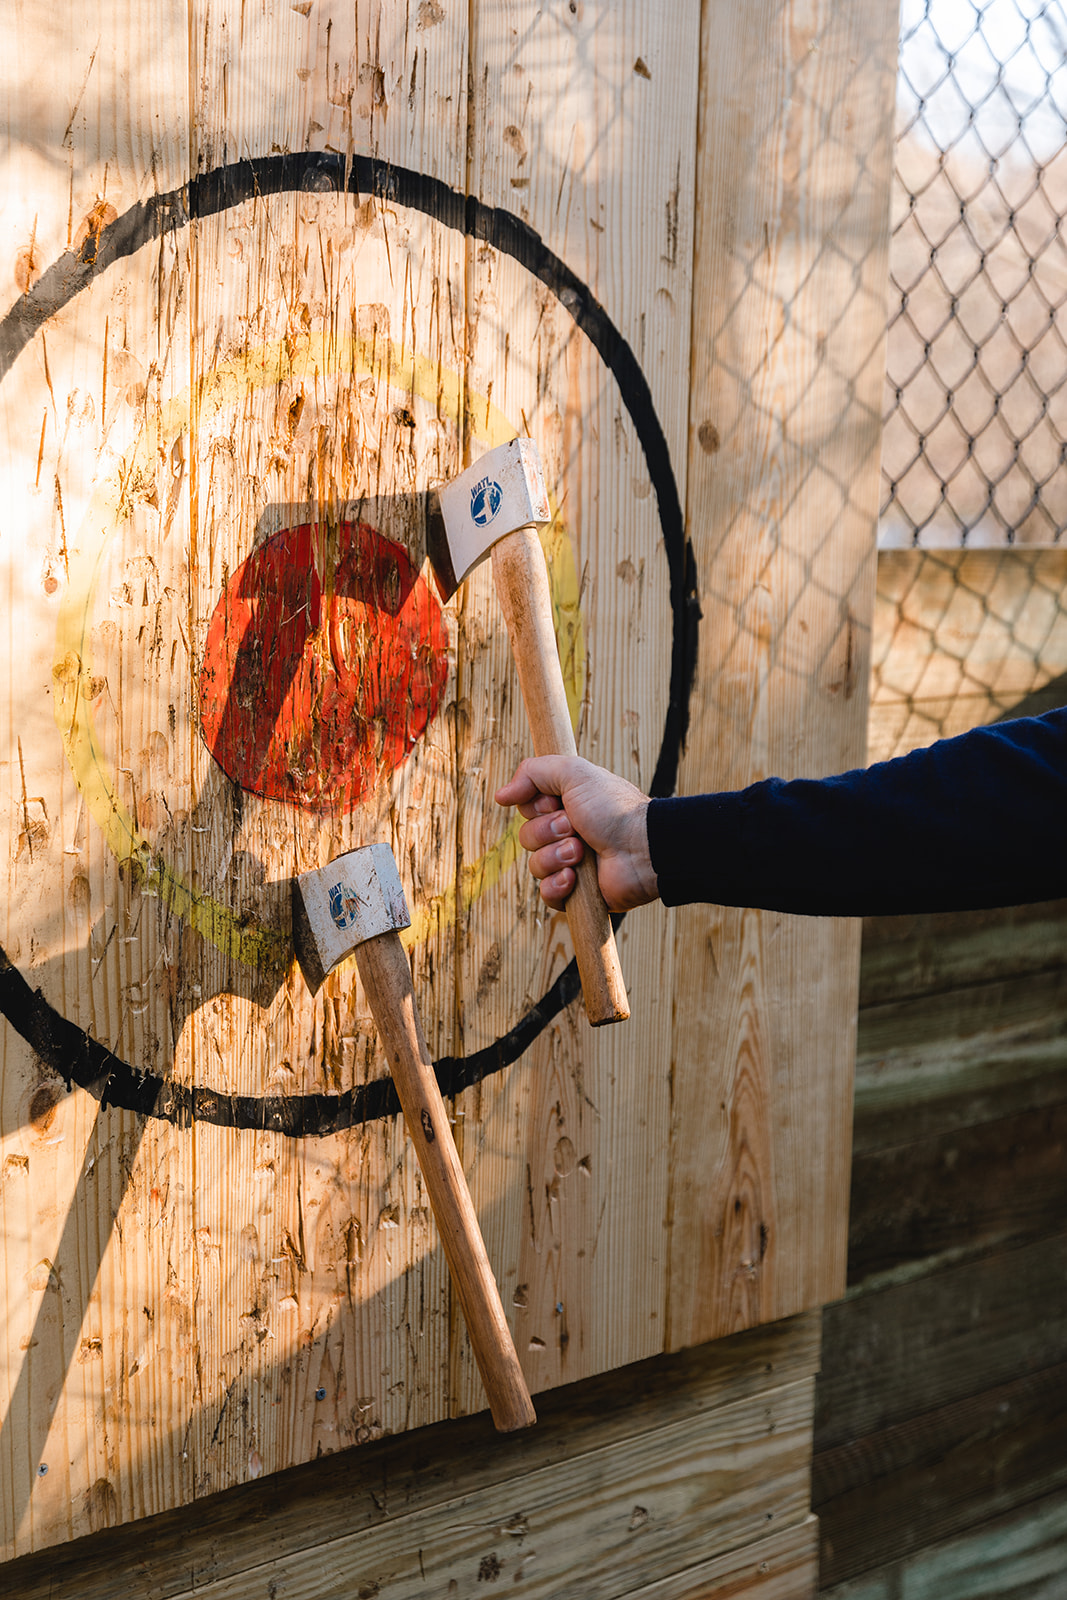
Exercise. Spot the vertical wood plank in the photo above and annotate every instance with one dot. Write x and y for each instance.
(582, 130)
(789, 319)
(342, 294)
(94, 126)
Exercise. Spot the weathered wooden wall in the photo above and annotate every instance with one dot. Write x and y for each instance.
(941, 1463)
(680, 1478)
(654, 239)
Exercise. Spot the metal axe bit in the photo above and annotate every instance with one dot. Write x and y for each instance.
(356, 905)
(495, 505)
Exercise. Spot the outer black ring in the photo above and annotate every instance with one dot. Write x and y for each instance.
(68, 1049)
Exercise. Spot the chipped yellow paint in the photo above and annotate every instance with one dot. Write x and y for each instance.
(315, 356)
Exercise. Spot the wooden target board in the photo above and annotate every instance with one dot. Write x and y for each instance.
(267, 283)
(272, 271)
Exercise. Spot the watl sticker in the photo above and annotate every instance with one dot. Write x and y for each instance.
(486, 500)
(510, 494)
(344, 905)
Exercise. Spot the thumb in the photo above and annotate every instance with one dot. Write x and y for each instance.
(537, 775)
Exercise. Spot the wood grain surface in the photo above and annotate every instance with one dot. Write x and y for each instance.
(939, 1429)
(619, 1520)
(1019, 1556)
(293, 1518)
(234, 402)
(892, 1354)
(268, 280)
(893, 1492)
(783, 482)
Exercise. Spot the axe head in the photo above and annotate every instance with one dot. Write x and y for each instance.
(502, 491)
(337, 907)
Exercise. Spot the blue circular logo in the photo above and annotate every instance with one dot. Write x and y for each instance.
(485, 501)
(344, 905)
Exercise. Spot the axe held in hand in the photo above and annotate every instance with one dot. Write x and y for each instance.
(495, 506)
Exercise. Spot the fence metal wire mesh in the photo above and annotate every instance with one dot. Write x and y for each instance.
(975, 444)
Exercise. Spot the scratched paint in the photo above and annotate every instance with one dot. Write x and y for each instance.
(326, 658)
(69, 1048)
(74, 674)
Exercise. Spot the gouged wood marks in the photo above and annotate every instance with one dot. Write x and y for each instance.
(590, 1133)
(79, 1364)
(408, 1474)
(625, 226)
(383, 82)
(615, 1516)
(215, 193)
(220, 191)
(224, 1031)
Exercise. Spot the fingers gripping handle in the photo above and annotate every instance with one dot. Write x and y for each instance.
(386, 978)
(522, 588)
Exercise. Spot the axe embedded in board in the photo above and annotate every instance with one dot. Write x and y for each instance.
(356, 906)
(495, 506)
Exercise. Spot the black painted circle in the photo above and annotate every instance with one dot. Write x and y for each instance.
(68, 1049)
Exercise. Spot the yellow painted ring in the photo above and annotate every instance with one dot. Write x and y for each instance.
(313, 356)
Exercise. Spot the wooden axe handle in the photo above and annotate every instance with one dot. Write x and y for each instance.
(522, 588)
(386, 978)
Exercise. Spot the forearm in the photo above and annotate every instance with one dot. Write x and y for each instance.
(976, 821)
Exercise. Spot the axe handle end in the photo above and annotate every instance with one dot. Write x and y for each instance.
(522, 588)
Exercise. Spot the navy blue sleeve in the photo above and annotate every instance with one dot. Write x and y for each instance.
(975, 821)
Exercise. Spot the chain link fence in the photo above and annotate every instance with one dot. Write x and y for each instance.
(975, 443)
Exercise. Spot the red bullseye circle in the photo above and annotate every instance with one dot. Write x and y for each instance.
(326, 659)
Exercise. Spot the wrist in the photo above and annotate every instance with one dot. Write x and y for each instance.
(641, 855)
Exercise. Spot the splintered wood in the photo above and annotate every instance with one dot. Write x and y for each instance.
(269, 280)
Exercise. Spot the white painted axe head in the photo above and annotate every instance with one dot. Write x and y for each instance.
(337, 907)
(502, 491)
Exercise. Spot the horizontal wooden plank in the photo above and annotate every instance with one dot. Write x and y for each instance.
(896, 1491)
(904, 957)
(618, 1517)
(963, 1056)
(294, 1511)
(879, 1585)
(959, 1193)
(917, 1346)
(783, 1567)
(1020, 1556)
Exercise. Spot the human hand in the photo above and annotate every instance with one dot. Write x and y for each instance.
(566, 801)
